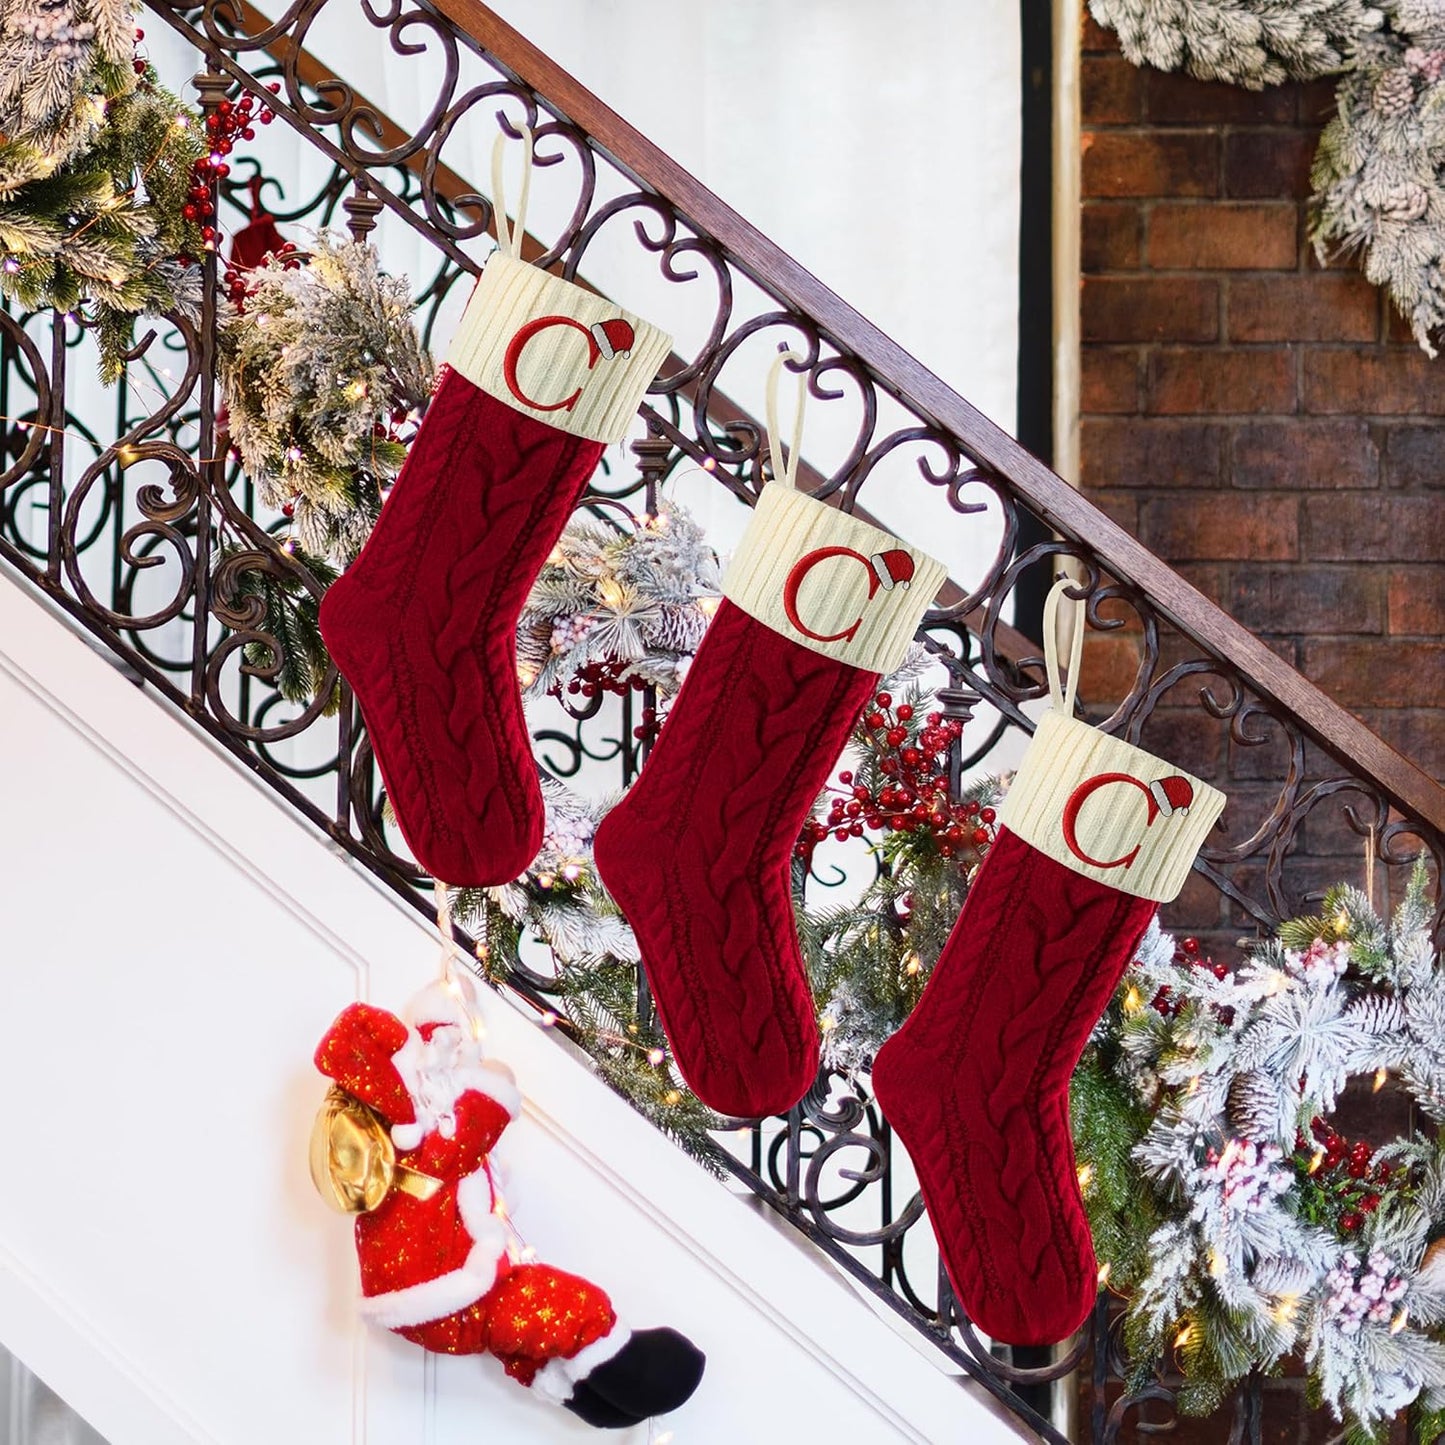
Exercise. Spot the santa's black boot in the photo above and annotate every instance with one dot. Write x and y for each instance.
(654, 1372)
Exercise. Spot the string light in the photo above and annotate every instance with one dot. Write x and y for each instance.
(1086, 1175)
(1399, 1322)
(1380, 1076)
(1133, 1000)
(1104, 1272)
(656, 1056)
(1183, 1337)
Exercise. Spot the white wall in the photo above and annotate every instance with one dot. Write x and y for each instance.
(175, 944)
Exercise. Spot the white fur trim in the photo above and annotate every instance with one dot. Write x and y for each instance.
(443, 1003)
(435, 1299)
(439, 1070)
(555, 1380)
(406, 1136)
(474, 1202)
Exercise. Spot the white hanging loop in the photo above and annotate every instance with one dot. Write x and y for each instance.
(1062, 696)
(450, 948)
(785, 469)
(509, 238)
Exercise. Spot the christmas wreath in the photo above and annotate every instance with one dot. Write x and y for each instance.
(1379, 172)
(1379, 188)
(1239, 1225)
(1253, 43)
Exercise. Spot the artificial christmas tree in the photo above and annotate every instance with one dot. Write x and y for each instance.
(541, 376)
(1093, 835)
(816, 606)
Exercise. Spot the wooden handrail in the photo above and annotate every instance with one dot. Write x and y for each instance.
(1056, 503)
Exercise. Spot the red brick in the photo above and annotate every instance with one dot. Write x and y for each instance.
(1095, 37)
(1150, 309)
(1306, 599)
(1199, 528)
(1379, 528)
(1397, 328)
(1117, 453)
(1417, 601)
(1260, 163)
(1110, 668)
(1317, 100)
(1108, 380)
(1151, 163)
(1111, 91)
(1174, 99)
(1415, 456)
(1199, 906)
(1111, 236)
(1188, 382)
(1305, 453)
(1418, 733)
(1186, 735)
(1225, 235)
(1374, 382)
(1119, 507)
(1268, 760)
(1314, 306)
(1377, 674)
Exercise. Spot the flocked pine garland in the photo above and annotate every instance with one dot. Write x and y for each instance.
(619, 607)
(1379, 174)
(320, 367)
(97, 163)
(1253, 43)
(1239, 1225)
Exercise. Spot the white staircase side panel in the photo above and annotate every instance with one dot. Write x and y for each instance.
(176, 942)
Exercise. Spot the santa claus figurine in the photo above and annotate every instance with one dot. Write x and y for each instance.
(403, 1142)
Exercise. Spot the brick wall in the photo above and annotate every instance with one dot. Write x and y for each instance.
(1267, 426)
(1270, 429)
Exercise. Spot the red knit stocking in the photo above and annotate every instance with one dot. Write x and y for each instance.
(698, 855)
(540, 377)
(1094, 835)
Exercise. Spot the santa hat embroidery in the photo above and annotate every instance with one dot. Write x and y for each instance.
(893, 568)
(1173, 795)
(613, 338)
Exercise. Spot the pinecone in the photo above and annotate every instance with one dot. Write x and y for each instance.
(1394, 93)
(1427, 64)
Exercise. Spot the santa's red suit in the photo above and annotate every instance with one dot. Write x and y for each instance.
(436, 1269)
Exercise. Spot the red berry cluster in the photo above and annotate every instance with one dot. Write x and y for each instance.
(229, 122)
(1347, 1173)
(604, 676)
(650, 726)
(1169, 1004)
(914, 795)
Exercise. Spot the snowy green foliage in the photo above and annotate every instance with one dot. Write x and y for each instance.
(1201, 1113)
(315, 371)
(1378, 172)
(630, 603)
(1253, 43)
(95, 165)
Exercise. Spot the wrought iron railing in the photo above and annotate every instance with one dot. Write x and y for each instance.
(118, 511)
